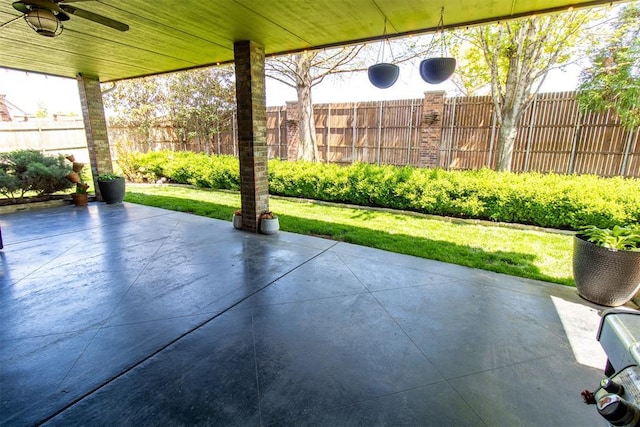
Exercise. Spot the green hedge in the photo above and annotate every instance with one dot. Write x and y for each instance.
(183, 167)
(546, 200)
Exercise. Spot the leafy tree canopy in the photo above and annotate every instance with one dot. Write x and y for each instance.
(612, 81)
(195, 101)
(513, 58)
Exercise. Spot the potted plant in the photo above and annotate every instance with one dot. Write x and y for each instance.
(74, 177)
(269, 223)
(606, 264)
(81, 196)
(112, 187)
(237, 219)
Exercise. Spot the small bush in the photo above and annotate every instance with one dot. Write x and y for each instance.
(546, 200)
(182, 167)
(22, 171)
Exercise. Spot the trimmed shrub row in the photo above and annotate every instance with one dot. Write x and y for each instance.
(182, 167)
(546, 200)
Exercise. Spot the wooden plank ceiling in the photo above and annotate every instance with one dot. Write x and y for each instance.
(173, 35)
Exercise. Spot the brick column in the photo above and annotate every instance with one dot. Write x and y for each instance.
(293, 136)
(252, 131)
(4, 110)
(95, 127)
(431, 129)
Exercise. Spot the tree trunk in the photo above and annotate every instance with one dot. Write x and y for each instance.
(519, 54)
(515, 98)
(506, 141)
(308, 148)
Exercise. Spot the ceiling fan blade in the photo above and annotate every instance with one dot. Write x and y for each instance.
(10, 21)
(117, 25)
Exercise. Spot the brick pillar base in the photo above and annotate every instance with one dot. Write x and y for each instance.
(431, 129)
(252, 131)
(293, 135)
(95, 127)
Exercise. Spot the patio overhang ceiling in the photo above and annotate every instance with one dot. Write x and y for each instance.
(169, 36)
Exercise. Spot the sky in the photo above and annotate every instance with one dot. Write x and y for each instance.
(29, 91)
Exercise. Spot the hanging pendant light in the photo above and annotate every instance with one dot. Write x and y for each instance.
(437, 70)
(383, 75)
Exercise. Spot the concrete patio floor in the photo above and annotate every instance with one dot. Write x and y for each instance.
(131, 315)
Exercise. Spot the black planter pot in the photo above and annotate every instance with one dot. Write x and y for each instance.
(605, 276)
(112, 190)
(437, 70)
(383, 75)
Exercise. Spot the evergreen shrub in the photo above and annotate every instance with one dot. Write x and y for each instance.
(546, 200)
(22, 171)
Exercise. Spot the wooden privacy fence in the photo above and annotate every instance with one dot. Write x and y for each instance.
(434, 131)
(383, 132)
(163, 136)
(65, 136)
(553, 136)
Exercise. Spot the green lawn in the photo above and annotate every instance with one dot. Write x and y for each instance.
(518, 252)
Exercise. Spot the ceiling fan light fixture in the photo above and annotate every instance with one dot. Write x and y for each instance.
(43, 22)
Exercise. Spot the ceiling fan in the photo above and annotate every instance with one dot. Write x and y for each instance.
(45, 17)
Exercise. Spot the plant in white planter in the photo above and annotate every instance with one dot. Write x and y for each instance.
(237, 219)
(269, 223)
(606, 264)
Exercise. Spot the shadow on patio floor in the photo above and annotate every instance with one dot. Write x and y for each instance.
(126, 314)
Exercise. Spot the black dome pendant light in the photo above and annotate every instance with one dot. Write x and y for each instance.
(438, 69)
(383, 75)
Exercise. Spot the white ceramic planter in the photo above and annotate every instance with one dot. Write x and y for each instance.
(269, 226)
(237, 221)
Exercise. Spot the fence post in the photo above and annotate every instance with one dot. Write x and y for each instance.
(41, 139)
(410, 129)
(379, 132)
(279, 136)
(451, 126)
(235, 134)
(355, 133)
(531, 120)
(328, 141)
(627, 149)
